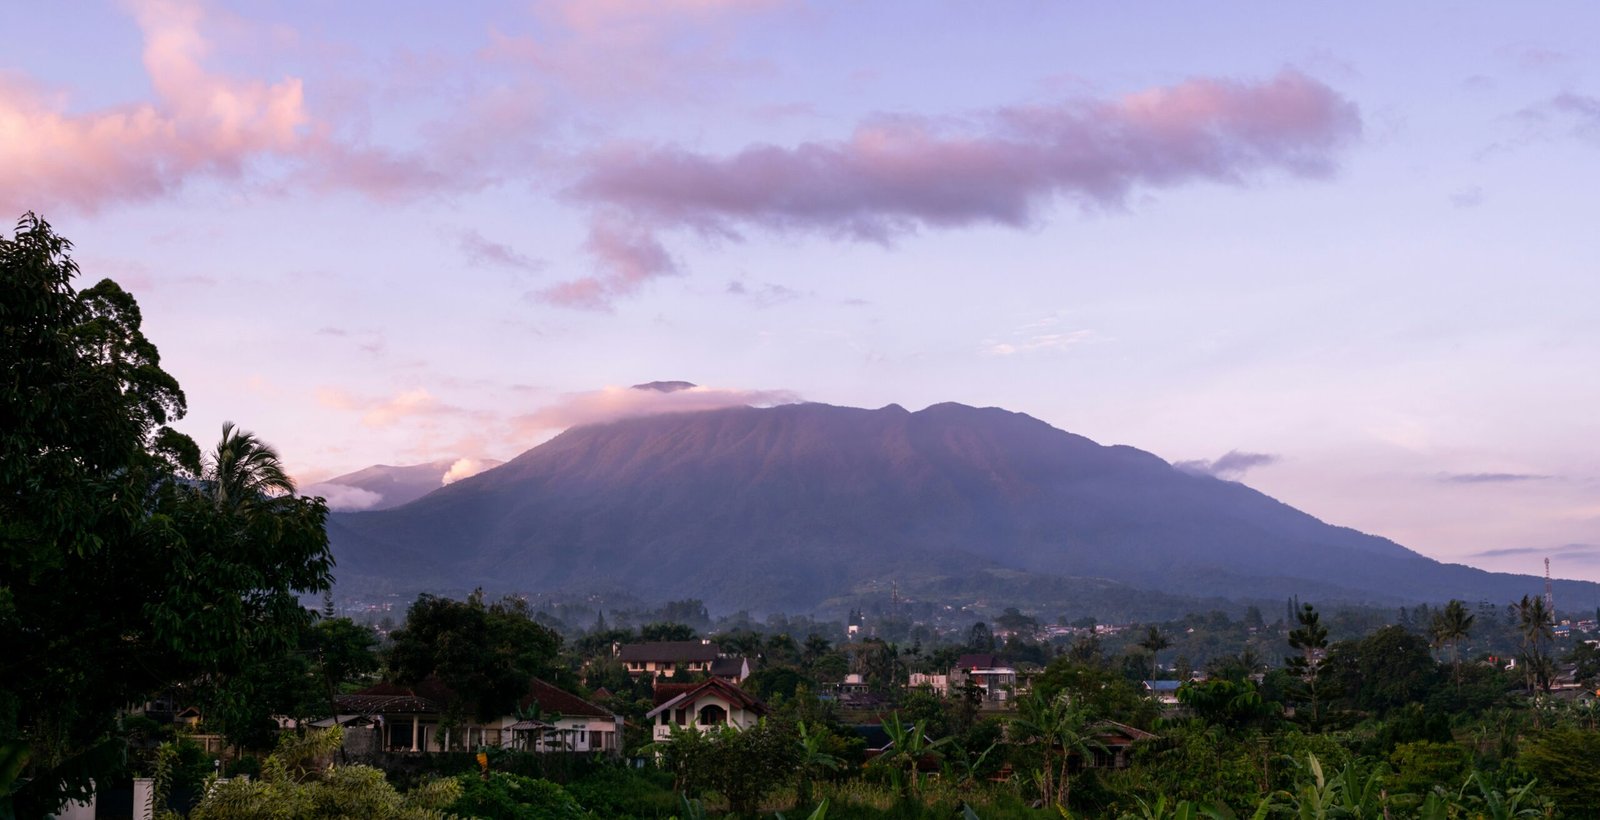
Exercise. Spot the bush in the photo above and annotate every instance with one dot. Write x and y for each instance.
(626, 794)
(502, 796)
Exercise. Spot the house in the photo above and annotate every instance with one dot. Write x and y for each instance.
(665, 659)
(997, 679)
(411, 719)
(702, 706)
(1164, 691)
(1116, 743)
(938, 684)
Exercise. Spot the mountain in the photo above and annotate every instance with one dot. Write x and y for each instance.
(382, 486)
(787, 507)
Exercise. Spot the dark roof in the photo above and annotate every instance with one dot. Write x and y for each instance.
(983, 660)
(727, 667)
(873, 734)
(1112, 733)
(1163, 685)
(667, 691)
(669, 652)
(430, 695)
(558, 701)
(427, 697)
(715, 686)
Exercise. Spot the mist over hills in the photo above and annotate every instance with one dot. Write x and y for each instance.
(382, 486)
(789, 507)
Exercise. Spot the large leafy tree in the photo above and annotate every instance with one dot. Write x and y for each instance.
(120, 577)
(485, 653)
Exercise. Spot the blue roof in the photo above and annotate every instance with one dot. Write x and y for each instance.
(1163, 685)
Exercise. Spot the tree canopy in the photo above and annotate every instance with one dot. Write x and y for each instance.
(120, 577)
(485, 653)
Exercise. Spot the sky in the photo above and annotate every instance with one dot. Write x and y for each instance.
(1344, 254)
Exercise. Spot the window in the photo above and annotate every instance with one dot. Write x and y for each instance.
(713, 715)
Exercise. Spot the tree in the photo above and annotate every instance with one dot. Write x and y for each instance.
(1061, 728)
(344, 652)
(908, 747)
(100, 502)
(1451, 626)
(666, 631)
(980, 639)
(485, 653)
(741, 765)
(813, 759)
(1153, 642)
(1310, 638)
(1536, 626)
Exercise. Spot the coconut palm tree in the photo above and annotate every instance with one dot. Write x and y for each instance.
(1536, 626)
(1452, 625)
(1154, 642)
(244, 470)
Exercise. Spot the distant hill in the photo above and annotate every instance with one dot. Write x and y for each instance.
(381, 486)
(787, 507)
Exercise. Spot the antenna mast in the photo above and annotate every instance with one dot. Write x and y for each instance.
(1549, 591)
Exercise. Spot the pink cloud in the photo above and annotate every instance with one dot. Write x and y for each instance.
(200, 124)
(614, 403)
(627, 256)
(385, 412)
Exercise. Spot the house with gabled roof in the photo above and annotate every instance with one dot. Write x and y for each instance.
(665, 659)
(703, 706)
(547, 719)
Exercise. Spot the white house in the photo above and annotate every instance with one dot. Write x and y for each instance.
(548, 719)
(701, 707)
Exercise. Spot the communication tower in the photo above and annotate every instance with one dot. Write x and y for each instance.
(1549, 591)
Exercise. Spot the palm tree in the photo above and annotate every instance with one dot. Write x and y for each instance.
(1536, 626)
(1154, 641)
(1452, 625)
(244, 470)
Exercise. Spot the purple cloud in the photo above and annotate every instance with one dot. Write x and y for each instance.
(896, 175)
(1232, 465)
(1491, 478)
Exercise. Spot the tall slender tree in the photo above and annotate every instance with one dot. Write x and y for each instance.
(1310, 638)
(1153, 642)
(1450, 627)
(1537, 626)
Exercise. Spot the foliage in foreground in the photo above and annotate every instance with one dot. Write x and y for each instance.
(294, 783)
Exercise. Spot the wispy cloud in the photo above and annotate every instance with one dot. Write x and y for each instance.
(1231, 465)
(1577, 553)
(483, 251)
(764, 294)
(1037, 342)
(1491, 478)
(1579, 113)
(387, 411)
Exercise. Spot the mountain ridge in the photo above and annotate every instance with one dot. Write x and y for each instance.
(787, 506)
